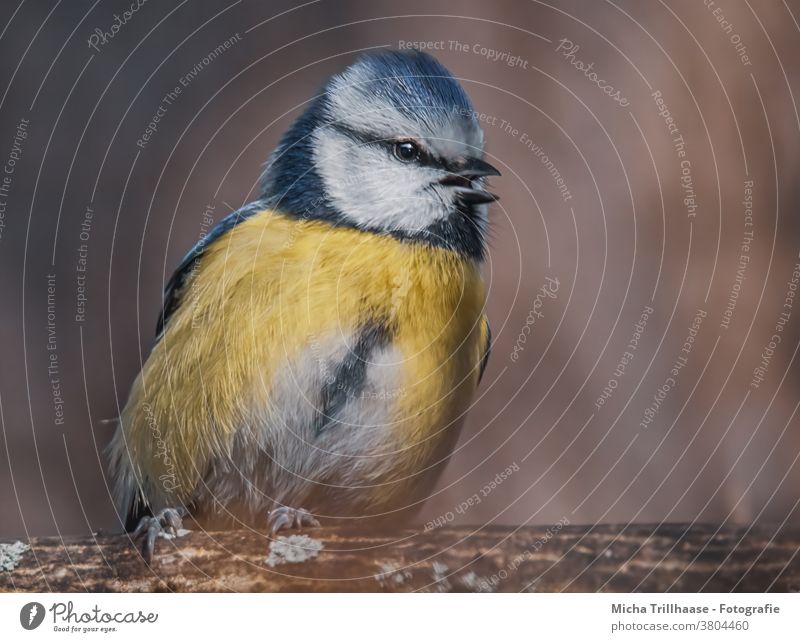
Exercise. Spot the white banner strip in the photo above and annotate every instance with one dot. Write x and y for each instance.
(353, 617)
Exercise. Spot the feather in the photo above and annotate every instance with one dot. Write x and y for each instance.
(224, 408)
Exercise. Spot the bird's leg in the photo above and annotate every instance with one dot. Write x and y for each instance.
(167, 520)
(286, 518)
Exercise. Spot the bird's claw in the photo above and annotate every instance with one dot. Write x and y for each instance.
(286, 518)
(167, 520)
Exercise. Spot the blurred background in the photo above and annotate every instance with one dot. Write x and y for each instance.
(643, 262)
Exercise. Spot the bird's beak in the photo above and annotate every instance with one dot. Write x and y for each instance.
(475, 168)
(470, 196)
(462, 175)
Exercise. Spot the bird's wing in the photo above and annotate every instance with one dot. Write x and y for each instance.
(486, 347)
(174, 290)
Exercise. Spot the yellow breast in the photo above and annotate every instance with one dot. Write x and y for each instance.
(262, 294)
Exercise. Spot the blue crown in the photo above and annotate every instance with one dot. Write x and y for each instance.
(409, 81)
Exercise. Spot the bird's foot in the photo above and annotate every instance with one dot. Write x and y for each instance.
(165, 522)
(286, 518)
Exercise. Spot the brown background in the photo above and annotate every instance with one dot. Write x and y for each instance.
(717, 450)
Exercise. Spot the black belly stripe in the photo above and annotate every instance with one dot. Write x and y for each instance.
(350, 375)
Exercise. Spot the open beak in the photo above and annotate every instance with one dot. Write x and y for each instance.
(476, 167)
(461, 176)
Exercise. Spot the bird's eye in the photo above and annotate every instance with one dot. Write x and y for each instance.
(406, 151)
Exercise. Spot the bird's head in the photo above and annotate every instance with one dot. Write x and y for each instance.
(393, 146)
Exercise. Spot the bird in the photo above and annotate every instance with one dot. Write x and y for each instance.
(317, 351)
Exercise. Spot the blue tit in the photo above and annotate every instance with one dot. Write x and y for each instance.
(318, 350)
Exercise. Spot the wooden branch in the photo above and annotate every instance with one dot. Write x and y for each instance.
(573, 558)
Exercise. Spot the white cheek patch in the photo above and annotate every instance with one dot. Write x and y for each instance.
(374, 190)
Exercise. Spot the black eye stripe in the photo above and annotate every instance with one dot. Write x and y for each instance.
(424, 157)
(356, 136)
